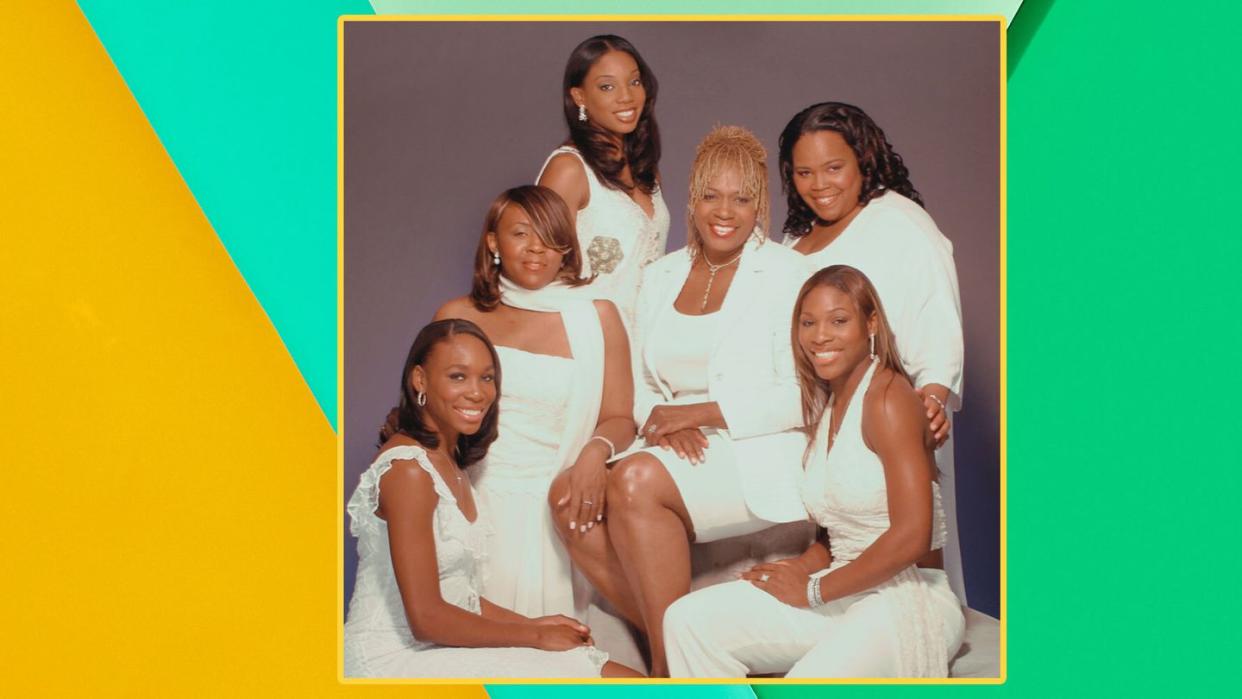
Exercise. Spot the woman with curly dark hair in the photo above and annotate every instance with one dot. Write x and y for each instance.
(851, 202)
(607, 171)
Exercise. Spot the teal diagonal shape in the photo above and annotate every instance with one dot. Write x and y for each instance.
(243, 97)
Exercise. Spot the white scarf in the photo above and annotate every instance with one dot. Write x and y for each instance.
(586, 344)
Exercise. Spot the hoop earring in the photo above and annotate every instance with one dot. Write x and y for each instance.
(422, 399)
(873, 346)
(496, 258)
(582, 112)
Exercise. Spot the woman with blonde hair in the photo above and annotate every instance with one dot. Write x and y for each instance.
(716, 395)
(870, 599)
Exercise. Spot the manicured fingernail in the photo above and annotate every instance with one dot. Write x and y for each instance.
(582, 528)
(590, 525)
(599, 518)
(572, 525)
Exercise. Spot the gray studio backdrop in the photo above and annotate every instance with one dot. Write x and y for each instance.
(440, 117)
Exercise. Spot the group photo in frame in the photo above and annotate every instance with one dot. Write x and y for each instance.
(438, 117)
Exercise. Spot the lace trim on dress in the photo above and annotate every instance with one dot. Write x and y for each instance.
(365, 500)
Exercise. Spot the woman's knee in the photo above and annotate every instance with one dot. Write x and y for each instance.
(636, 481)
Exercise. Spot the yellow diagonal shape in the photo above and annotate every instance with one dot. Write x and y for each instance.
(169, 483)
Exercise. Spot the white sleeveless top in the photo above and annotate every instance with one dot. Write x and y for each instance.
(376, 625)
(681, 345)
(845, 492)
(617, 237)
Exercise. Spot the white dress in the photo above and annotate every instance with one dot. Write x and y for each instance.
(528, 569)
(907, 626)
(910, 262)
(617, 238)
(378, 640)
(711, 490)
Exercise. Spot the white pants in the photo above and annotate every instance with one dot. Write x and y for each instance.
(735, 629)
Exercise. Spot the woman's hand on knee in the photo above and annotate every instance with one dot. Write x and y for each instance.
(583, 501)
(783, 580)
(688, 444)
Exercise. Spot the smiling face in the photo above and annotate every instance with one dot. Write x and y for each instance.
(525, 258)
(724, 215)
(459, 381)
(612, 93)
(826, 175)
(832, 333)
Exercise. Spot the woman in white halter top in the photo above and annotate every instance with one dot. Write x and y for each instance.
(870, 599)
(607, 172)
(566, 403)
(851, 202)
(418, 608)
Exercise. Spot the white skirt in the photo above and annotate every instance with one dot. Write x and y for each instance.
(712, 491)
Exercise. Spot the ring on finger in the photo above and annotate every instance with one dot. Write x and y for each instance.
(764, 577)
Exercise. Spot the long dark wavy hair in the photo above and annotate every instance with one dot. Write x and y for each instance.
(815, 391)
(881, 167)
(550, 217)
(407, 417)
(640, 147)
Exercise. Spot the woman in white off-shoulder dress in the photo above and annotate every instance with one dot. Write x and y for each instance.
(417, 610)
(608, 170)
(566, 405)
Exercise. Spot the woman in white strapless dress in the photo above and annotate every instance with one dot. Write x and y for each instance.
(608, 169)
(566, 404)
(417, 608)
(870, 600)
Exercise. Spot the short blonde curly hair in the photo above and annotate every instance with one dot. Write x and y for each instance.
(722, 148)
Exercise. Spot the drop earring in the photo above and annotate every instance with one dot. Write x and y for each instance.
(422, 399)
(582, 112)
(873, 346)
(496, 258)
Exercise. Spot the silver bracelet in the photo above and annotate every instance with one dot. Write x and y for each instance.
(612, 448)
(813, 598)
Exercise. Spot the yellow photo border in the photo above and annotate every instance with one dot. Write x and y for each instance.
(340, 337)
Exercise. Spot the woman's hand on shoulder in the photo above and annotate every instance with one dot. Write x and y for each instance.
(566, 176)
(935, 400)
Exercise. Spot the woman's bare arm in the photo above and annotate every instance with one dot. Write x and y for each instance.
(408, 502)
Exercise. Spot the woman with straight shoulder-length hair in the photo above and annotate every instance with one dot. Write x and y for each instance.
(851, 202)
(869, 599)
(417, 609)
(607, 171)
(715, 393)
(567, 399)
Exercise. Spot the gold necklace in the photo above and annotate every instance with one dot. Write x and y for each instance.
(711, 274)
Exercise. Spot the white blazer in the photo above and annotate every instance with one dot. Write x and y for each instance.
(750, 369)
